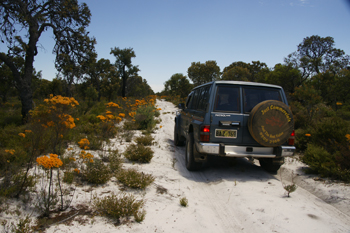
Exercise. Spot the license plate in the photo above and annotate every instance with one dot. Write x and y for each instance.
(226, 133)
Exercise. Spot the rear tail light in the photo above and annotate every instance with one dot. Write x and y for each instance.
(291, 139)
(204, 134)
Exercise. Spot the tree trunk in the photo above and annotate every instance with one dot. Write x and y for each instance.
(124, 82)
(26, 96)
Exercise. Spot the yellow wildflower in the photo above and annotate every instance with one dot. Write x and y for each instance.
(113, 105)
(28, 131)
(50, 123)
(102, 118)
(348, 137)
(11, 151)
(22, 135)
(308, 135)
(49, 163)
(118, 119)
(84, 143)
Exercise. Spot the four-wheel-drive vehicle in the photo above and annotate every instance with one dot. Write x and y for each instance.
(235, 119)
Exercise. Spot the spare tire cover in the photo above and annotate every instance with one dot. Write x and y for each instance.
(271, 123)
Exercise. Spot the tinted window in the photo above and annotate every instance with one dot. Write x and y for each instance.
(227, 99)
(253, 96)
(189, 98)
(203, 98)
(193, 104)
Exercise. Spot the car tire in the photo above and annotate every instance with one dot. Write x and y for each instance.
(191, 164)
(271, 123)
(271, 164)
(177, 141)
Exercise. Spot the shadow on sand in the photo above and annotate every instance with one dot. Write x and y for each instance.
(218, 168)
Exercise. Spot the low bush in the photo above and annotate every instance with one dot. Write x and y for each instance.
(115, 161)
(12, 184)
(129, 125)
(327, 147)
(138, 153)
(68, 177)
(144, 118)
(128, 135)
(324, 163)
(329, 131)
(119, 206)
(184, 202)
(96, 172)
(146, 140)
(135, 179)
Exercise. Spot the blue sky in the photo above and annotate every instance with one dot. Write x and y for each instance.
(167, 35)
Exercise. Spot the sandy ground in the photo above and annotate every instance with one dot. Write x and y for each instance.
(231, 195)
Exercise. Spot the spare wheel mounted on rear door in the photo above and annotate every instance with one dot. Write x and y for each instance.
(271, 123)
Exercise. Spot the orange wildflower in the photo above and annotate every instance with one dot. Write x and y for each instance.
(49, 163)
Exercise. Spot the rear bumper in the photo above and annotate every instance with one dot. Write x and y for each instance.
(244, 151)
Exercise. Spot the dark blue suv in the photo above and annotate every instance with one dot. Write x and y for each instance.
(235, 119)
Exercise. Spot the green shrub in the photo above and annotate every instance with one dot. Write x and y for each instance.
(319, 160)
(146, 140)
(68, 177)
(98, 108)
(329, 131)
(119, 206)
(23, 226)
(108, 129)
(327, 165)
(184, 202)
(10, 113)
(134, 179)
(129, 125)
(115, 161)
(96, 172)
(128, 135)
(12, 183)
(138, 153)
(95, 142)
(92, 119)
(301, 139)
(144, 117)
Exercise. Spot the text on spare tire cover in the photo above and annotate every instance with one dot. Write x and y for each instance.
(276, 108)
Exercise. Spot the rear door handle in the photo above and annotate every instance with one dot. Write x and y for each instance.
(228, 123)
(237, 123)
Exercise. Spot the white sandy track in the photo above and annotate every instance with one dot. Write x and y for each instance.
(228, 196)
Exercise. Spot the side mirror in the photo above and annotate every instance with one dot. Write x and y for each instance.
(181, 106)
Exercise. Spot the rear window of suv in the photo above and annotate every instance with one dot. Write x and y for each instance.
(254, 95)
(227, 99)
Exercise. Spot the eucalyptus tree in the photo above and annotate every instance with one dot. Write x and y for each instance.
(24, 22)
(178, 84)
(316, 55)
(96, 71)
(241, 71)
(124, 65)
(201, 73)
